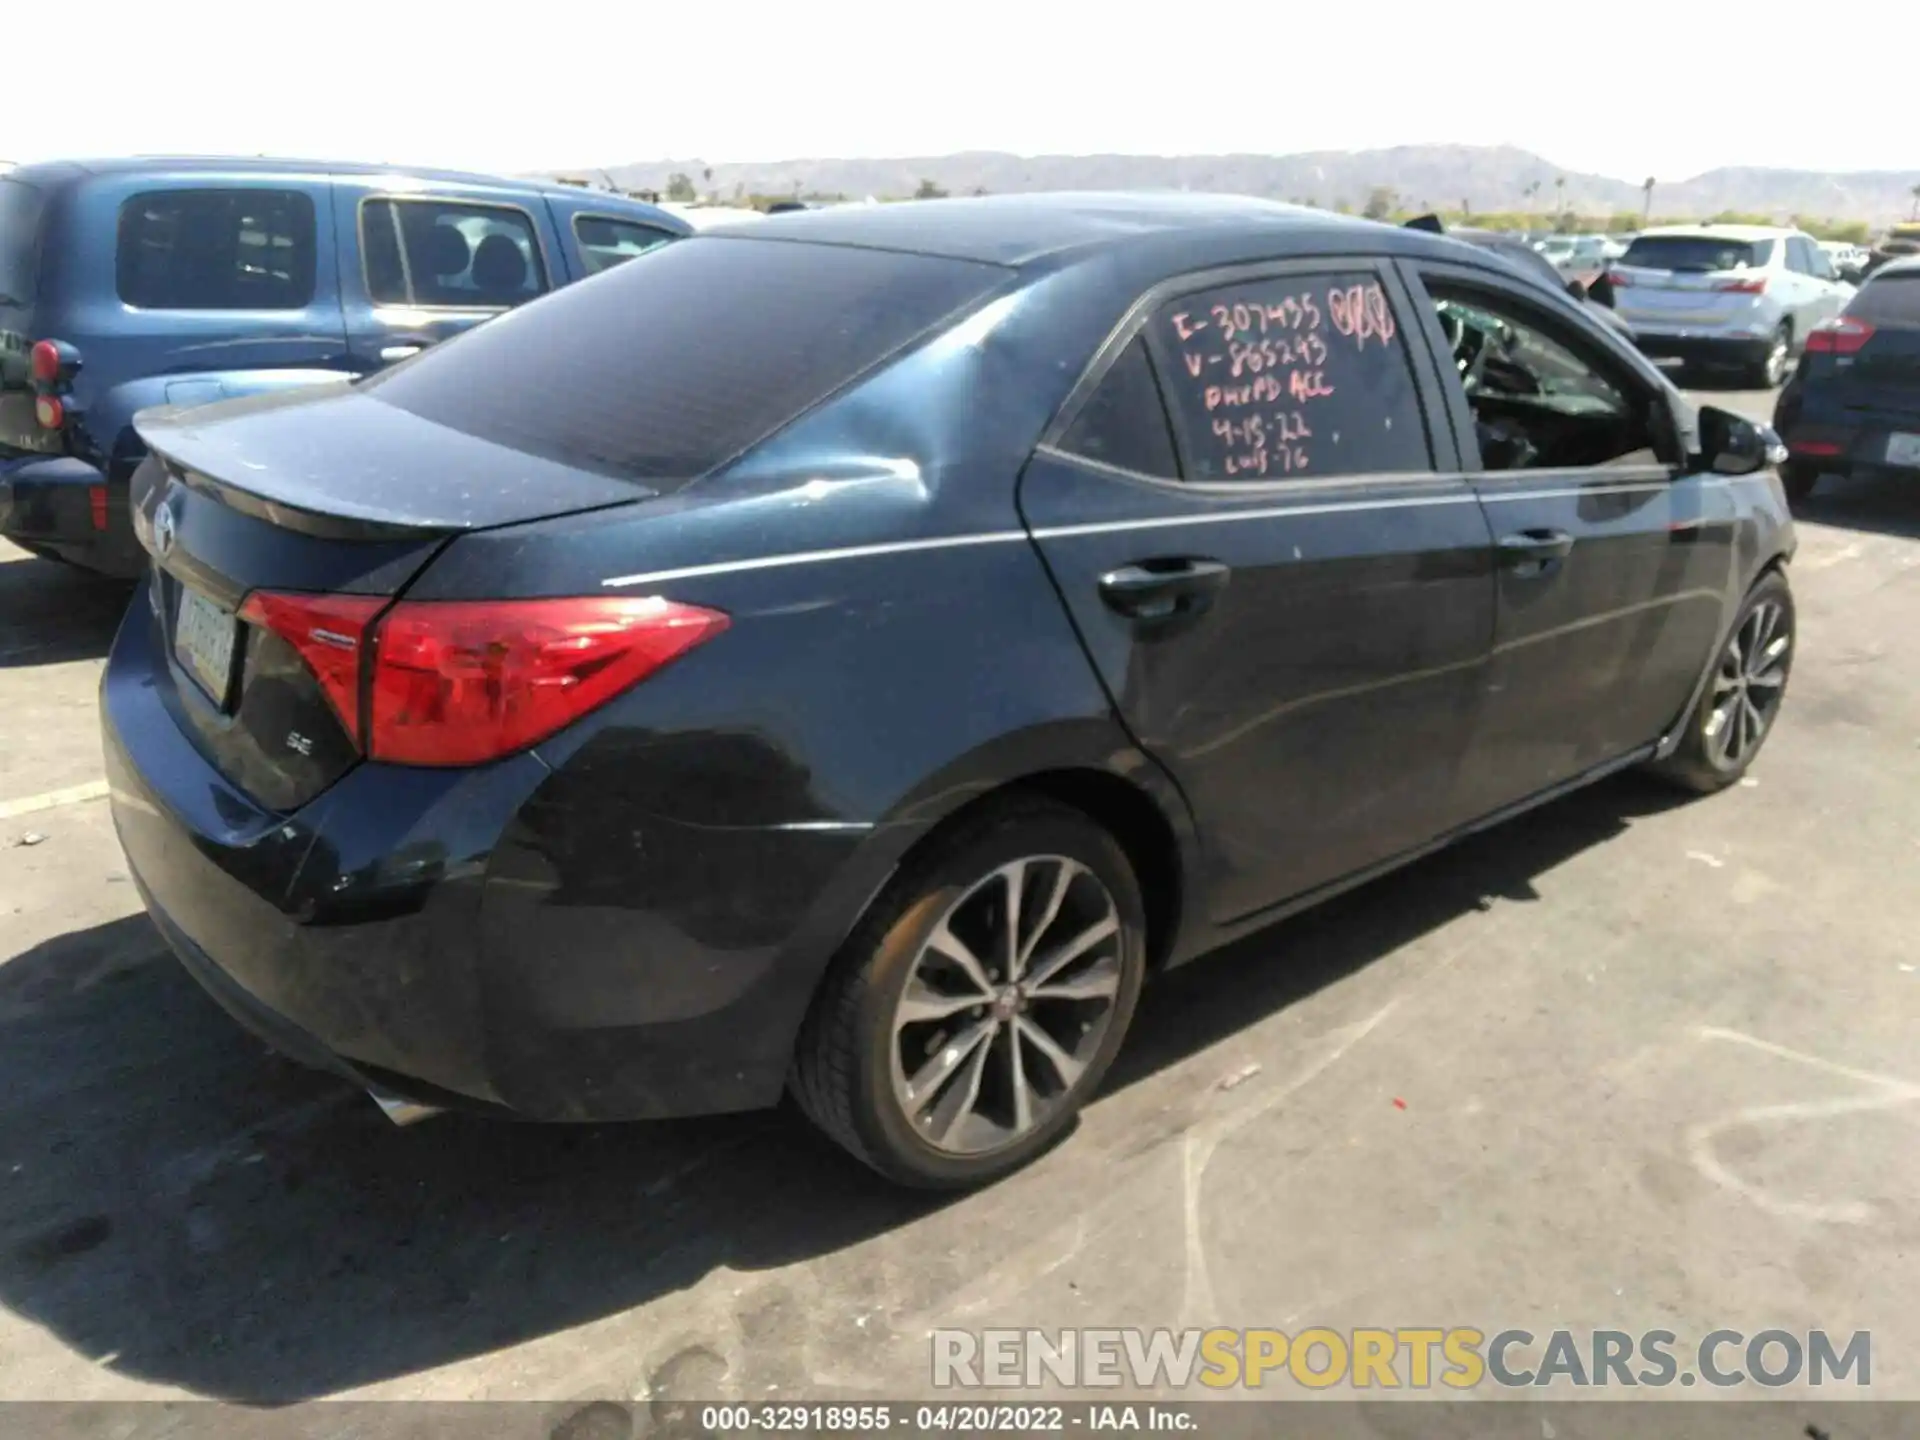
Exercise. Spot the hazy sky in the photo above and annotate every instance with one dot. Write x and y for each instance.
(497, 85)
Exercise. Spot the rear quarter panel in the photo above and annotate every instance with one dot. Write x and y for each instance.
(896, 649)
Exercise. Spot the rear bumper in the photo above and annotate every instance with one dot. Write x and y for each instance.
(66, 509)
(1838, 440)
(481, 939)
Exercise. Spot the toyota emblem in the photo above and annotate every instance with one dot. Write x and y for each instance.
(163, 529)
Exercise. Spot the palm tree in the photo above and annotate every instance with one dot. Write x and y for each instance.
(1560, 193)
(1646, 204)
(1915, 192)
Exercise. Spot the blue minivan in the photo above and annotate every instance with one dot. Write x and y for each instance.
(132, 283)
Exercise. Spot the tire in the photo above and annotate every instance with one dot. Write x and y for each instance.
(1798, 480)
(1715, 752)
(1771, 372)
(966, 1123)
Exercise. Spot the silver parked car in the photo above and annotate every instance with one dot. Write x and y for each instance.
(1739, 295)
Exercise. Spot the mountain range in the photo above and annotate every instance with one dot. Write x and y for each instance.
(1488, 178)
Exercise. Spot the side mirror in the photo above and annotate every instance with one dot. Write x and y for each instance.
(1731, 444)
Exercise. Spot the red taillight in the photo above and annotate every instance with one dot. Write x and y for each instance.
(97, 506)
(1616, 279)
(457, 682)
(44, 362)
(1844, 336)
(1755, 286)
(1814, 447)
(49, 412)
(329, 633)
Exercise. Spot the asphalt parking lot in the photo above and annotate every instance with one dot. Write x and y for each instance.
(1628, 1063)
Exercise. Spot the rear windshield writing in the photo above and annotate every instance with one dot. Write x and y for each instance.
(1888, 300)
(665, 370)
(20, 207)
(1701, 254)
(1290, 377)
(237, 249)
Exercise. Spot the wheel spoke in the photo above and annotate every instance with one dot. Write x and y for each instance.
(932, 1075)
(1756, 722)
(1062, 880)
(1018, 1083)
(957, 1103)
(922, 1002)
(1737, 742)
(1768, 661)
(1064, 1065)
(955, 949)
(1100, 981)
(1059, 959)
(1016, 878)
(1723, 682)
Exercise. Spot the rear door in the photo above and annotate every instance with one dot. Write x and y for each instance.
(22, 210)
(1614, 559)
(1256, 523)
(424, 263)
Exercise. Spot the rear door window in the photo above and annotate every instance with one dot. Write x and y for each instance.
(606, 242)
(1304, 376)
(1124, 422)
(663, 371)
(225, 249)
(448, 254)
(1699, 254)
(20, 208)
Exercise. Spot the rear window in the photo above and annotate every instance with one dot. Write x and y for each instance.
(20, 207)
(1698, 254)
(216, 250)
(1888, 299)
(663, 371)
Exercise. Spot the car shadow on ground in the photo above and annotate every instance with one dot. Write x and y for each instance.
(1876, 503)
(51, 612)
(184, 1209)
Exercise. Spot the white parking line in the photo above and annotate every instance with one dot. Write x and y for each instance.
(54, 799)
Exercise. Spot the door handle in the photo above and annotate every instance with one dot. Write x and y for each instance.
(1535, 551)
(390, 353)
(1163, 589)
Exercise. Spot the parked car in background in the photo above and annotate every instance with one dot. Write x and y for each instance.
(1849, 261)
(846, 654)
(1577, 257)
(131, 283)
(1741, 296)
(1598, 299)
(1853, 404)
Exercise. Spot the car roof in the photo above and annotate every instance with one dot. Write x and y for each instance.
(1725, 232)
(1905, 265)
(56, 172)
(1027, 229)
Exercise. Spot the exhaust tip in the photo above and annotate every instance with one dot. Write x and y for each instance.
(402, 1112)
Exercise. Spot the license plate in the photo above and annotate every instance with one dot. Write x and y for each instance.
(203, 639)
(1903, 449)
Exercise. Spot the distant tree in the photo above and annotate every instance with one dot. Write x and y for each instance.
(1311, 202)
(1915, 192)
(1381, 202)
(1560, 193)
(1466, 210)
(707, 174)
(1646, 201)
(680, 187)
(739, 190)
(979, 189)
(929, 191)
(1342, 207)
(1625, 222)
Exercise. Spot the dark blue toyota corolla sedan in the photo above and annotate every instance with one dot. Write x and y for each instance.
(849, 654)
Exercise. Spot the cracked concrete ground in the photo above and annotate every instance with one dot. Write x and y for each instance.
(1626, 1063)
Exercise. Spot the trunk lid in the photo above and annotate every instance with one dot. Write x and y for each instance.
(317, 493)
(1685, 280)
